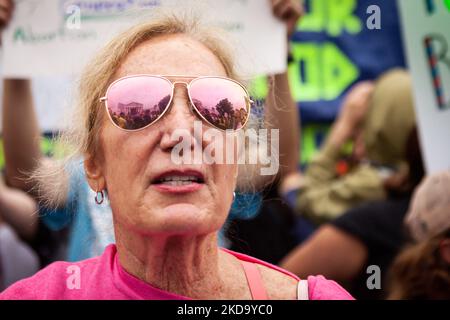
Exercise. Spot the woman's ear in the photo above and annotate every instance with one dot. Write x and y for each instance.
(94, 174)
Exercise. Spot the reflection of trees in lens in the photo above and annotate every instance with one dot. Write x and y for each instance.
(162, 104)
(198, 104)
(225, 107)
(207, 115)
(226, 114)
(204, 111)
(223, 115)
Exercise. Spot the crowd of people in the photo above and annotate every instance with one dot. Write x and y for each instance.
(139, 227)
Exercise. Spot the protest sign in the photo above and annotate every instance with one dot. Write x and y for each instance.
(426, 26)
(57, 37)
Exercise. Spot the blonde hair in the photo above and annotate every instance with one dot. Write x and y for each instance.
(51, 177)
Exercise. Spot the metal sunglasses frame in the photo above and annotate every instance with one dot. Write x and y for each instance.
(248, 101)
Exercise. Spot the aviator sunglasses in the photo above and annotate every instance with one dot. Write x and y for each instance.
(138, 101)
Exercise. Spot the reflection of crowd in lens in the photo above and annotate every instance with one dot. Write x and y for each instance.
(133, 115)
(224, 114)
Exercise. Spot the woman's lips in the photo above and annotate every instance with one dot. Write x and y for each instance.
(184, 188)
(177, 181)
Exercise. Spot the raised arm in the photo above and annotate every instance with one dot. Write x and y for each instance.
(281, 110)
(282, 114)
(21, 135)
(345, 128)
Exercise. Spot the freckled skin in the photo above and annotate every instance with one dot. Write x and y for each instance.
(138, 155)
(169, 240)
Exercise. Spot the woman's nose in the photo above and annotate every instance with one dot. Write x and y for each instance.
(180, 115)
(178, 123)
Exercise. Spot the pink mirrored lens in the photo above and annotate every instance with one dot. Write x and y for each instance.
(220, 101)
(136, 102)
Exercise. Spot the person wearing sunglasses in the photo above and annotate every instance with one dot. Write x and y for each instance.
(149, 84)
(83, 227)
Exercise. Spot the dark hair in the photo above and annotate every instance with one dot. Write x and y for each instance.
(419, 272)
(404, 182)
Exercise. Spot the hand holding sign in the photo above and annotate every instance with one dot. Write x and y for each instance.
(289, 11)
(6, 8)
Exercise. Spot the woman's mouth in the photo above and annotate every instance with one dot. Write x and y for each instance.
(178, 182)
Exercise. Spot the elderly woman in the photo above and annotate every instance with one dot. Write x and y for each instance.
(89, 226)
(163, 76)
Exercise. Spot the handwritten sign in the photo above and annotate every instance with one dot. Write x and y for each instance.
(426, 26)
(58, 37)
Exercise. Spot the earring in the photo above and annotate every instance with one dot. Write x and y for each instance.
(234, 195)
(97, 200)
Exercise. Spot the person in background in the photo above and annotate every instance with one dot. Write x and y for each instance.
(371, 233)
(273, 215)
(422, 269)
(21, 229)
(377, 119)
(18, 224)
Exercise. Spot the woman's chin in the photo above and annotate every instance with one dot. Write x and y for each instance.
(185, 218)
(182, 210)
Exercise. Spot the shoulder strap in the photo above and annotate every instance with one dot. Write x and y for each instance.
(302, 290)
(254, 281)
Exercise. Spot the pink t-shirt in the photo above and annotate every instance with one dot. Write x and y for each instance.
(103, 278)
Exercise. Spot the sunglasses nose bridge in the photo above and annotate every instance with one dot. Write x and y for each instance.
(188, 94)
(186, 101)
(186, 84)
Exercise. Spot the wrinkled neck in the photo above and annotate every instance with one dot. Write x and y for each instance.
(185, 265)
